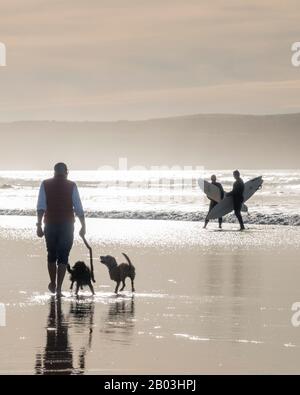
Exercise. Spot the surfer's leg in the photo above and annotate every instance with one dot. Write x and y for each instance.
(238, 214)
(237, 211)
(220, 222)
(211, 206)
(206, 223)
(241, 222)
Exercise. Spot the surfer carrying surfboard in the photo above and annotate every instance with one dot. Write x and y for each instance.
(237, 194)
(213, 203)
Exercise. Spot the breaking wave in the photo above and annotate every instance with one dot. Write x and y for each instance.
(192, 216)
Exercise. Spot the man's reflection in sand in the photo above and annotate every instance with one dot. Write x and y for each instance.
(58, 356)
(74, 331)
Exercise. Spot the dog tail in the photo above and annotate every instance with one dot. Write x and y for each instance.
(127, 259)
(69, 269)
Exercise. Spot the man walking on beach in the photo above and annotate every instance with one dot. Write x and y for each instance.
(237, 194)
(57, 202)
(213, 203)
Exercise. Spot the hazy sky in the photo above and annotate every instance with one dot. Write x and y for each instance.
(135, 59)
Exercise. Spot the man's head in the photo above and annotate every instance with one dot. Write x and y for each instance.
(213, 178)
(61, 170)
(236, 174)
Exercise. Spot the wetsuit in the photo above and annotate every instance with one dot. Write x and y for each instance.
(237, 194)
(213, 203)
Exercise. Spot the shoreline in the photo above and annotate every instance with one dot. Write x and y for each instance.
(162, 234)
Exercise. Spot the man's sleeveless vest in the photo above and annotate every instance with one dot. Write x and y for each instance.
(59, 197)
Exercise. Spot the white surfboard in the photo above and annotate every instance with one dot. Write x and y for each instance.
(226, 205)
(213, 192)
(210, 190)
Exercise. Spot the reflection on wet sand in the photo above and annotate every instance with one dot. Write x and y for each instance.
(59, 355)
(82, 317)
(120, 321)
(214, 302)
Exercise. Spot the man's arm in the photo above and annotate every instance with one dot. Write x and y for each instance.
(79, 210)
(222, 191)
(234, 190)
(82, 231)
(41, 208)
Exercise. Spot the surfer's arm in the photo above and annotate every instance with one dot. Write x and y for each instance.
(235, 190)
(222, 191)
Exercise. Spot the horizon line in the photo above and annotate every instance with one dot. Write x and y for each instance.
(156, 118)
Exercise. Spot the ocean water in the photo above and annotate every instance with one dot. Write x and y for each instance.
(170, 195)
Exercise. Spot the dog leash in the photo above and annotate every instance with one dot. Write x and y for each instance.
(91, 258)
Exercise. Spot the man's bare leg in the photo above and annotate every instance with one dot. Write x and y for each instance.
(61, 271)
(52, 275)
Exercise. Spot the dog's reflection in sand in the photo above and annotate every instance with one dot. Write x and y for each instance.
(82, 316)
(58, 355)
(120, 321)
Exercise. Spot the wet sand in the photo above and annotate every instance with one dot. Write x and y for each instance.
(206, 301)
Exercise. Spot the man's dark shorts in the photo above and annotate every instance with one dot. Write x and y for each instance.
(59, 241)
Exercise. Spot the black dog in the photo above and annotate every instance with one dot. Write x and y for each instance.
(119, 273)
(81, 275)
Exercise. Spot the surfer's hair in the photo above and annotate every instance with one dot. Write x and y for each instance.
(236, 173)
